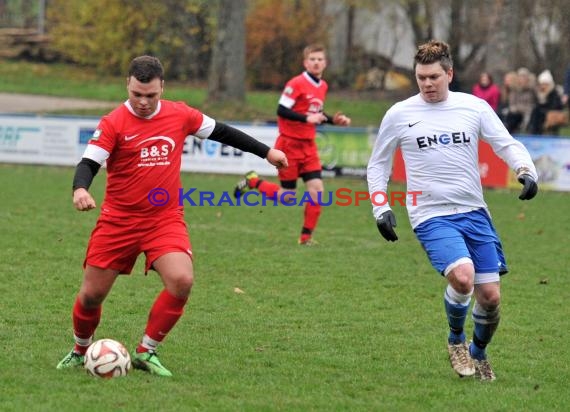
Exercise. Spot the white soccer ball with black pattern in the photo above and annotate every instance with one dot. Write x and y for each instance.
(107, 358)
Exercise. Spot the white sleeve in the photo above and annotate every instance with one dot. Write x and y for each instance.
(504, 145)
(96, 153)
(206, 128)
(380, 163)
(286, 101)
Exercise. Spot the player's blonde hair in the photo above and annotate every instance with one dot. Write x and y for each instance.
(432, 52)
(312, 48)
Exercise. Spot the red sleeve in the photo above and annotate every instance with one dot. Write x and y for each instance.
(194, 118)
(292, 89)
(105, 135)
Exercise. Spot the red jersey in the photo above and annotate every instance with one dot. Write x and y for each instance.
(304, 95)
(144, 154)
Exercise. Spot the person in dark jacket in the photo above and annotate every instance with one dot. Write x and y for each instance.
(548, 99)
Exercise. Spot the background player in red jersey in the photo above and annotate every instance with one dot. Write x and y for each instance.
(300, 110)
(142, 142)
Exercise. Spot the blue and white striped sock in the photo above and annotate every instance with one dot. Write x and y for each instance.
(486, 323)
(456, 307)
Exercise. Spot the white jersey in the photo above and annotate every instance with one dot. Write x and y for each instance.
(439, 144)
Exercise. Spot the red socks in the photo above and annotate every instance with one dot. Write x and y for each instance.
(312, 213)
(270, 189)
(85, 321)
(252, 183)
(164, 314)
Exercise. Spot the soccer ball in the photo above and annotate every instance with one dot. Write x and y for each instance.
(107, 358)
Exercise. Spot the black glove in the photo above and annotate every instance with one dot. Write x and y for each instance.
(530, 188)
(386, 223)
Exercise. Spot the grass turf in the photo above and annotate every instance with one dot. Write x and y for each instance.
(355, 323)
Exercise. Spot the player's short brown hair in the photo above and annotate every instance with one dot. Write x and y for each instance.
(432, 52)
(146, 68)
(312, 48)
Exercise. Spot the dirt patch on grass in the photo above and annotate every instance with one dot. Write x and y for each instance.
(30, 103)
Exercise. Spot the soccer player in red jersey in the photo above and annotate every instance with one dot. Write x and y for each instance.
(142, 142)
(299, 112)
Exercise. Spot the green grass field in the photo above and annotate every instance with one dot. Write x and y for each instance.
(354, 324)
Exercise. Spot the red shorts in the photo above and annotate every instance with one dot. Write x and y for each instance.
(302, 155)
(116, 242)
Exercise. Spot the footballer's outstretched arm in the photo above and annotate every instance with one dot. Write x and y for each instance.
(84, 173)
(93, 157)
(290, 114)
(313, 118)
(231, 136)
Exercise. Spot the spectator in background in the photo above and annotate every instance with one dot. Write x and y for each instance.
(522, 99)
(548, 99)
(509, 81)
(565, 99)
(487, 90)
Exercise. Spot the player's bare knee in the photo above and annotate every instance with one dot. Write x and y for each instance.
(490, 300)
(91, 299)
(187, 282)
(462, 278)
(287, 195)
(180, 285)
(488, 295)
(315, 186)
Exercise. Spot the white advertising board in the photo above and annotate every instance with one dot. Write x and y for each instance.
(41, 140)
(62, 140)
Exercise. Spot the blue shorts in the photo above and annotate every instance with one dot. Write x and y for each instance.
(447, 239)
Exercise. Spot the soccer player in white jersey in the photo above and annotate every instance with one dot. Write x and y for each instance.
(438, 132)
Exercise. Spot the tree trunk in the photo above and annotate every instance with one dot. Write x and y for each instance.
(226, 80)
(504, 55)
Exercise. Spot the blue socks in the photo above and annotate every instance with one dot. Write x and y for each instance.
(456, 307)
(476, 352)
(486, 322)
